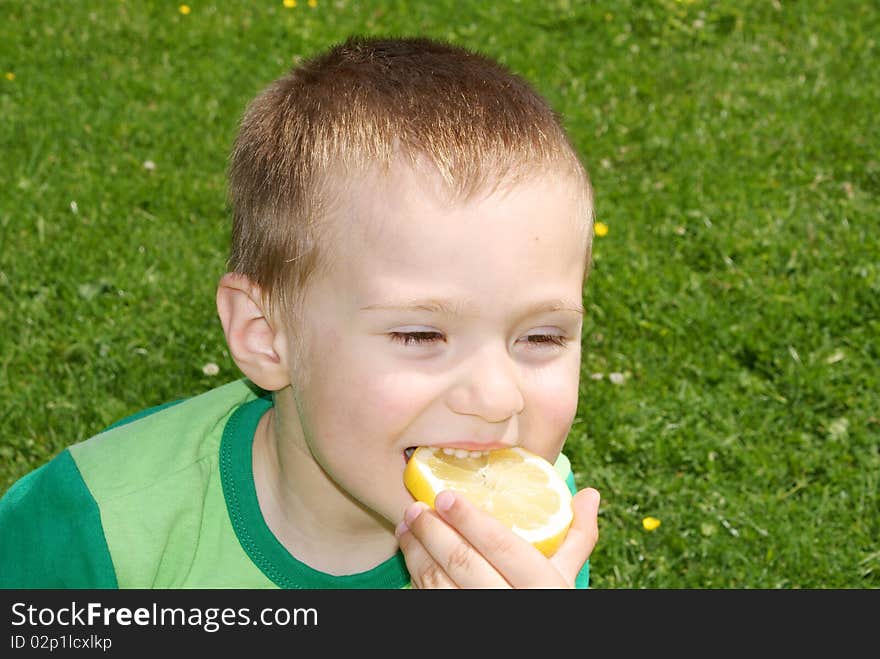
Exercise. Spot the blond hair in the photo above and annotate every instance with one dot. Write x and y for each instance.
(358, 106)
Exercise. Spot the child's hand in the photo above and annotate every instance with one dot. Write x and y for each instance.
(460, 546)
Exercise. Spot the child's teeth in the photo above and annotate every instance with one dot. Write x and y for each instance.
(463, 452)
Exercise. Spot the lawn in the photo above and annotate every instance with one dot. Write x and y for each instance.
(731, 375)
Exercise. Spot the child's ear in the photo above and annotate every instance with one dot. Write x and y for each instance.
(257, 347)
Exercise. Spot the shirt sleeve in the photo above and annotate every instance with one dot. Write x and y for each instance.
(50, 532)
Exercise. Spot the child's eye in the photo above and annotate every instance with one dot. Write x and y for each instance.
(410, 338)
(545, 340)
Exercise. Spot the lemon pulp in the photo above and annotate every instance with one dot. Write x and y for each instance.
(519, 488)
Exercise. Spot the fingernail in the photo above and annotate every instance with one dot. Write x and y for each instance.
(401, 528)
(413, 512)
(444, 500)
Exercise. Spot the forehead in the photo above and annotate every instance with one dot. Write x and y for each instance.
(403, 235)
(380, 207)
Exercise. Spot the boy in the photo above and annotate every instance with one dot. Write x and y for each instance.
(411, 234)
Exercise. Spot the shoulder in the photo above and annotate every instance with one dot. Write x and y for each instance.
(68, 523)
(157, 481)
(51, 531)
(136, 451)
(563, 468)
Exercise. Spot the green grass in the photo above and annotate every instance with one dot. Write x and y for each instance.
(735, 152)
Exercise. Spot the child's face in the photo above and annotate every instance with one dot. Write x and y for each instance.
(453, 326)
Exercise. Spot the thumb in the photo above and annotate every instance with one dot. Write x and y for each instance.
(582, 536)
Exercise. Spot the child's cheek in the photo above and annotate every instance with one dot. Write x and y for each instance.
(395, 395)
(559, 410)
(552, 411)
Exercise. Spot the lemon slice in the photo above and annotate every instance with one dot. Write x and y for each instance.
(519, 488)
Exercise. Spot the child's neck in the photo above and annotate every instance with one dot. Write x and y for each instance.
(314, 520)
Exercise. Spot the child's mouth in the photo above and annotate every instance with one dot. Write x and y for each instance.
(449, 450)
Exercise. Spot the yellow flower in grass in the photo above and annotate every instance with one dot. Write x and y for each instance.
(10, 76)
(290, 4)
(650, 523)
(600, 229)
(313, 3)
(184, 9)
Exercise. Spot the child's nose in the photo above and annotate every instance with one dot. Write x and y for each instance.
(489, 387)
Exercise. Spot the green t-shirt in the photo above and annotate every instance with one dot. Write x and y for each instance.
(164, 499)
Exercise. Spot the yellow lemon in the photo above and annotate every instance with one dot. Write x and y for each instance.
(519, 488)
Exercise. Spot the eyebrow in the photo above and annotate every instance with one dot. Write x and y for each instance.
(449, 308)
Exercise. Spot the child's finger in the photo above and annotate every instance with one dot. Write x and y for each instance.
(515, 560)
(424, 571)
(452, 553)
(582, 536)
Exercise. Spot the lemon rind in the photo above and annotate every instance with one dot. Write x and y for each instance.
(547, 539)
